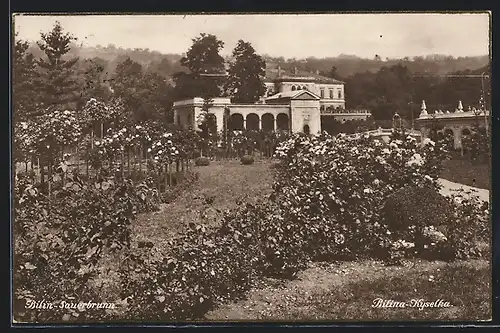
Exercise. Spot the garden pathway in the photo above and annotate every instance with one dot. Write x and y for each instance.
(448, 187)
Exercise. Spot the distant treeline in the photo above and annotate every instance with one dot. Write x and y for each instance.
(347, 65)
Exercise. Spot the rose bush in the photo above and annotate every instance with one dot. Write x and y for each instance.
(59, 242)
(338, 185)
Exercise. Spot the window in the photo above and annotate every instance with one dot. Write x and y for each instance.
(293, 88)
(322, 108)
(304, 88)
(331, 93)
(340, 94)
(322, 93)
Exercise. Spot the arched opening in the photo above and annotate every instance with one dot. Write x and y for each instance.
(268, 122)
(465, 131)
(306, 129)
(304, 88)
(252, 122)
(448, 132)
(440, 135)
(236, 122)
(293, 88)
(282, 122)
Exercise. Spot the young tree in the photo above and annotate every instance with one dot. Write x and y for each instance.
(23, 74)
(246, 73)
(57, 82)
(203, 61)
(93, 81)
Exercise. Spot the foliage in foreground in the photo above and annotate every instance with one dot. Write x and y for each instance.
(328, 204)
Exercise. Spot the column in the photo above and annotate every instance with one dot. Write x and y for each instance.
(275, 122)
(457, 137)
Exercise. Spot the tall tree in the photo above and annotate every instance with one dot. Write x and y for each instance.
(246, 74)
(58, 83)
(202, 60)
(146, 95)
(23, 74)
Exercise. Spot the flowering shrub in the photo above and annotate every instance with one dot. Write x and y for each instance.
(58, 243)
(469, 225)
(410, 210)
(337, 186)
(163, 150)
(207, 266)
(46, 135)
(477, 144)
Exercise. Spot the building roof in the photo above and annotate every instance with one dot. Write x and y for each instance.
(299, 75)
(291, 95)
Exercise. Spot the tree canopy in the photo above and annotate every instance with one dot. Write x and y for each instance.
(245, 82)
(201, 59)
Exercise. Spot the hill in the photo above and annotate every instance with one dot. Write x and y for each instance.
(346, 65)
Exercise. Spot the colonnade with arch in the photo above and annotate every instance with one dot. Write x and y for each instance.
(253, 121)
(457, 131)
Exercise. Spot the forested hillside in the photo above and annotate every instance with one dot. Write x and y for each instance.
(347, 65)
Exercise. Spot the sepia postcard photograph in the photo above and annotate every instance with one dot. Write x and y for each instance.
(218, 168)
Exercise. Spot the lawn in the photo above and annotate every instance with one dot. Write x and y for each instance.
(464, 172)
(346, 291)
(222, 185)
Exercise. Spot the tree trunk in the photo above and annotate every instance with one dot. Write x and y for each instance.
(63, 173)
(128, 162)
(49, 184)
(122, 164)
(77, 160)
(167, 174)
(159, 179)
(134, 163)
(42, 171)
(140, 161)
(170, 173)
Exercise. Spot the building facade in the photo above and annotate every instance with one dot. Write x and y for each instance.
(293, 111)
(330, 91)
(294, 101)
(457, 123)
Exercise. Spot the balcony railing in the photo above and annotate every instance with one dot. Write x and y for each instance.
(345, 112)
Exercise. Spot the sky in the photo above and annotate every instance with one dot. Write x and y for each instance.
(290, 36)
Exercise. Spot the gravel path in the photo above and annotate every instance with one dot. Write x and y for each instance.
(448, 187)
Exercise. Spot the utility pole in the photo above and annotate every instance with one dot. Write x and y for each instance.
(483, 103)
